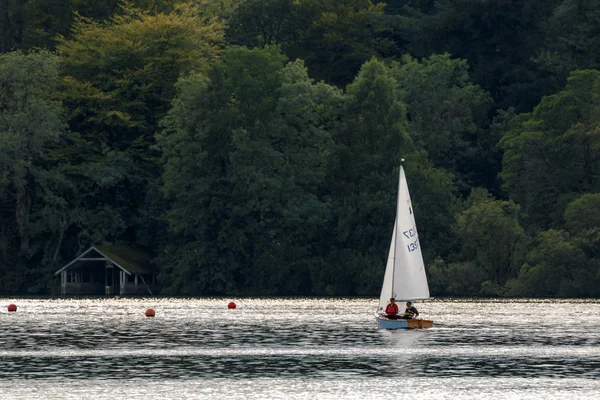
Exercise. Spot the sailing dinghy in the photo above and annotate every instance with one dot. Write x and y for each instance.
(404, 278)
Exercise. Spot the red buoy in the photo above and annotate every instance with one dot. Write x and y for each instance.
(231, 305)
(12, 308)
(150, 312)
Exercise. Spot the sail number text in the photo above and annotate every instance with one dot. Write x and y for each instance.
(412, 234)
(413, 246)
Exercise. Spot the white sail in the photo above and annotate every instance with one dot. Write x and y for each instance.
(405, 277)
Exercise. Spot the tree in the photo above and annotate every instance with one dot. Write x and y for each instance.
(571, 39)
(496, 37)
(31, 123)
(11, 24)
(258, 23)
(119, 82)
(369, 140)
(244, 163)
(583, 214)
(45, 20)
(490, 234)
(446, 114)
(582, 220)
(124, 71)
(433, 194)
(40, 23)
(553, 152)
(556, 267)
(338, 37)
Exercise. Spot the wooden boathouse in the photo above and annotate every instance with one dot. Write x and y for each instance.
(108, 270)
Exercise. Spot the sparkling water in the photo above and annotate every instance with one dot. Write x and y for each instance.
(297, 349)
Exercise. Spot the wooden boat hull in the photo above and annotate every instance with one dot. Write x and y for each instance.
(384, 323)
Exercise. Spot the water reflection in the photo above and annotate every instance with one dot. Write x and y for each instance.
(53, 342)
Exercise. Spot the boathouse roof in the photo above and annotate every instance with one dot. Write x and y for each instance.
(127, 258)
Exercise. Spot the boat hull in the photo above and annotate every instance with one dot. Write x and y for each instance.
(384, 323)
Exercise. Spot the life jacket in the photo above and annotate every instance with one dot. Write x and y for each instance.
(391, 309)
(409, 313)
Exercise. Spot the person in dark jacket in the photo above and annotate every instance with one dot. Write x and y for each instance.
(410, 311)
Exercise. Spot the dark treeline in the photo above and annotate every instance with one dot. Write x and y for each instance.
(253, 145)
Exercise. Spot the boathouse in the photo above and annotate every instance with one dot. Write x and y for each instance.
(108, 270)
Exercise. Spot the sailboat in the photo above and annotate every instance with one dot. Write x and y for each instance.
(404, 277)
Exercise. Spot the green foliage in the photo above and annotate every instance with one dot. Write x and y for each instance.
(583, 214)
(265, 181)
(556, 267)
(571, 41)
(491, 235)
(554, 151)
(582, 220)
(447, 113)
(496, 37)
(338, 36)
(433, 194)
(437, 277)
(370, 139)
(464, 278)
(125, 70)
(31, 123)
(249, 224)
(258, 23)
(456, 279)
(119, 82)
(44, 20)
(11, 24)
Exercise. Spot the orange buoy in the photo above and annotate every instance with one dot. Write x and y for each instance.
(150, 312)
(231, 305)
(12, 308)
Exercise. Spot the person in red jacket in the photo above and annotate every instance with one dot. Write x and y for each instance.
(391, 310)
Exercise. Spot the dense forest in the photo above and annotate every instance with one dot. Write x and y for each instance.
(253, 146)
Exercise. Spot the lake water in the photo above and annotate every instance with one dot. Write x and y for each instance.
(297, 349)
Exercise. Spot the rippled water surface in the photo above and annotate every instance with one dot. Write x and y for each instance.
(297, 349)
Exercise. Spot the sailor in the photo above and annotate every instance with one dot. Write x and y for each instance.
(391, 309)
(410, 311)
